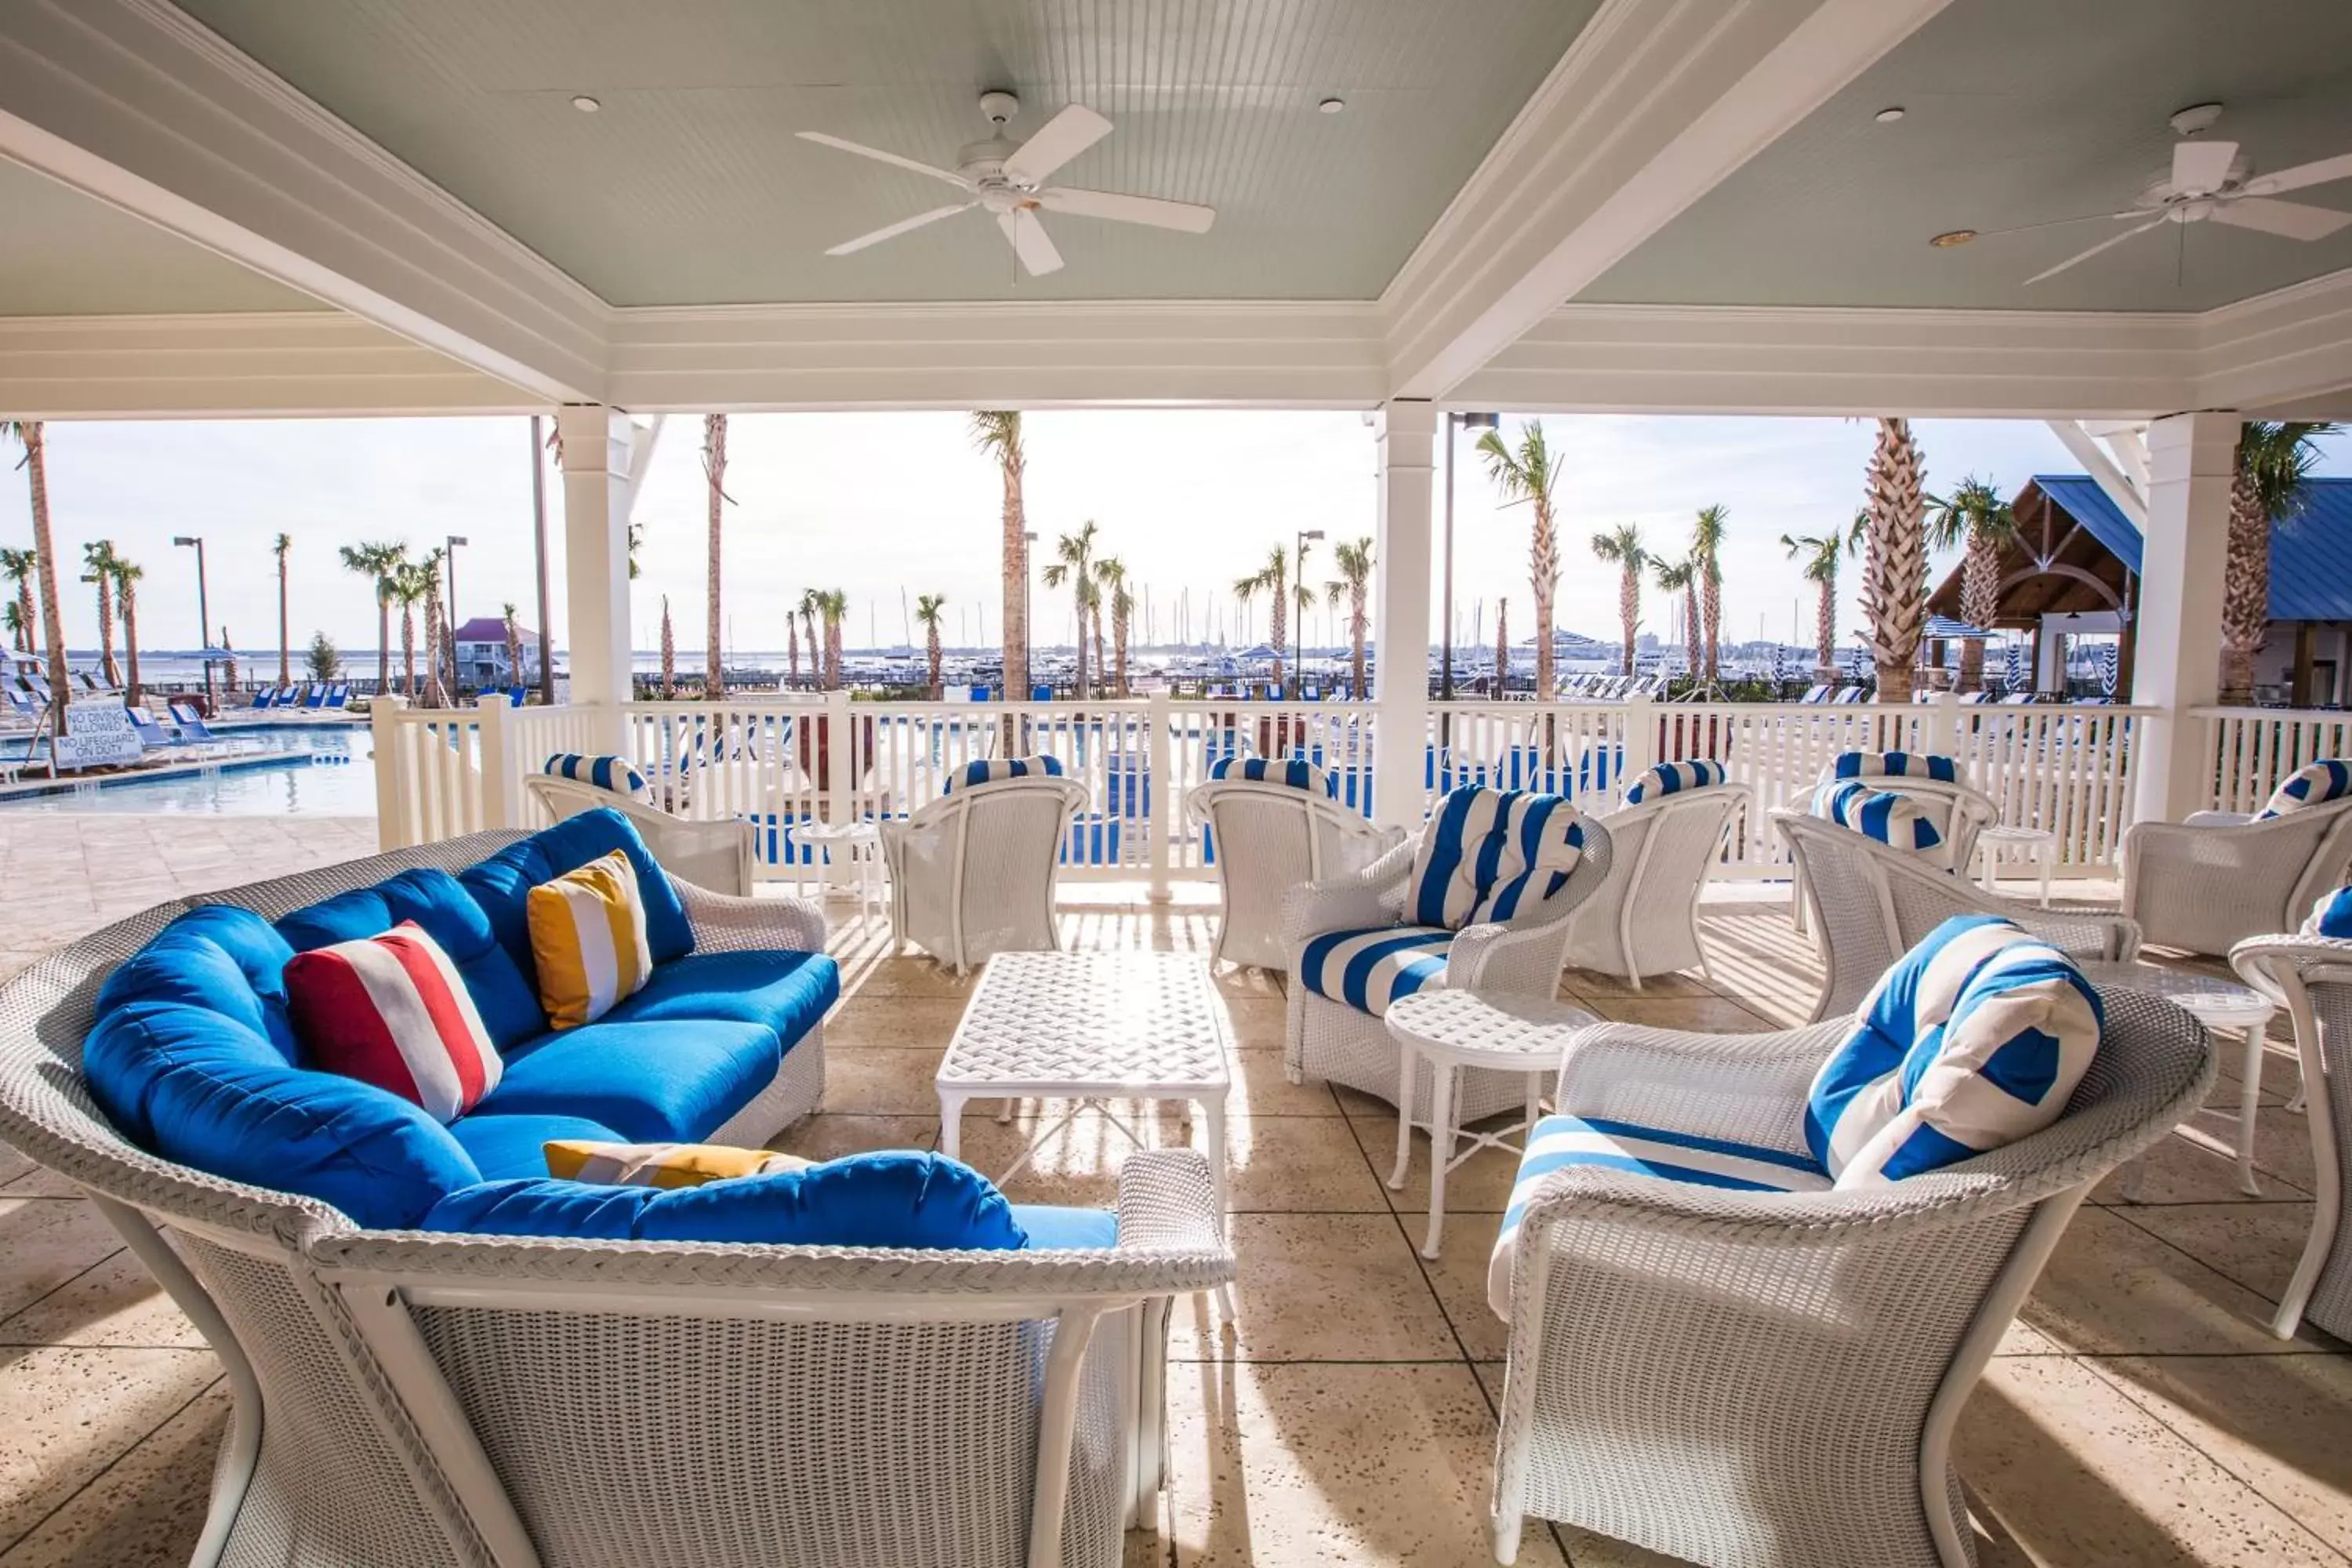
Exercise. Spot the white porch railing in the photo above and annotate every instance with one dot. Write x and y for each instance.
(784, 761)
(2250, 751)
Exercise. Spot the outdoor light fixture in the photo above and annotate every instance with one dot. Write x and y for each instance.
(585, 104)
(204, 609)
(1332, 105)
(1951, 237)
(449, 562)
(1889, 116)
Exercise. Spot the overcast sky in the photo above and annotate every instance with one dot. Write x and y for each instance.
(878, 503)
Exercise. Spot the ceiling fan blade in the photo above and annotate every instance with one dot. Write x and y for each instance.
(2302, 175)
(1057, 142)
(2058, 223)
(1030, 243)
(863, 151)
(1128, 209)
(2202, 167)
(2293, 219)
(896, 229)
(2094, 250)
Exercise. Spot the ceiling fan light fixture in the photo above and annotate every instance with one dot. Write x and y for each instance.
(585, 104)
(1889, 115)
(1331, 106)
(1953, 237)
(2195, 120)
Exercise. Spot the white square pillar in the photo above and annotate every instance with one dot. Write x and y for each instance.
(1404, 438)
(597, 443)
(2176, 661)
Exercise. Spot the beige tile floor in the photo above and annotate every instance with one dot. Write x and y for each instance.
(2140, 1413)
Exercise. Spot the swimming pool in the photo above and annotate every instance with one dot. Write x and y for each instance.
(299, 770)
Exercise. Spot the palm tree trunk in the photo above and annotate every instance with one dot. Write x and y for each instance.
(384, 643)
(668, 655)
(1543, 573)
(26, 613)
(2245, 591)
(1357, 627)
(285, 633)
(36, 476)
(1100, 668)
(434, 695)
(1825, 630)
(130, 640)
(932, 647)
(1016, 585)
(108, 670)
(1118, 647)
(408, 651)
(1694, 652)
(1279, 618)
(1710, 600)
(791, 652)
(1502, 648)
(1629, 609)
(714, 428)
(1895, 569)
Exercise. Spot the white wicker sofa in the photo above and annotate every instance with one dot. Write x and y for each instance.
(972, 873)
(411, 1399)
(1271, 836)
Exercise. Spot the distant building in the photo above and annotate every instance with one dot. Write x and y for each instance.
(482, 654)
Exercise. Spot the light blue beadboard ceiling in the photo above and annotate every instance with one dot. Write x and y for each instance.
(688, 186)
(2020, 112)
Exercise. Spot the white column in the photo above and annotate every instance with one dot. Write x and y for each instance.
(2177, 665)
(596, 451)
(1403, 432)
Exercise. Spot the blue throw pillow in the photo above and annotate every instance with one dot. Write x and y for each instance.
(501, 885)
(506, 1000)
(994, 770)
(1294, 771)
(1675, 778)
(887, 1199)
(2331, 916)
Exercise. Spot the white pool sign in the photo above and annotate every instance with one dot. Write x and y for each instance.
(97, 734)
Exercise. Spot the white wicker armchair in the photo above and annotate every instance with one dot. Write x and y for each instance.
(973, 872)
(713, 855)
(1270, 838)
(407, 1400)
(2310, 977)
(1643, 919)
(1870, 904)
(2208, 883)
(1768, 1379)
(1523, 957)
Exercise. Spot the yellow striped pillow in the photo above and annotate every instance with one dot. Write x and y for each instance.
(588, 935)
(660, 1164)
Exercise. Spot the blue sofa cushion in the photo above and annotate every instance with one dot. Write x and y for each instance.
(889, 1199)
(676, 1081)
(502, 992)
(1052, 1227)
(505, 1146)
(220, 957)
(501, 885)
(786, 992)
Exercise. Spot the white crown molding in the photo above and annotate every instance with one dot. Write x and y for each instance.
(2288, 353)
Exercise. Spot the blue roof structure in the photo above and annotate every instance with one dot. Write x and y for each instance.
(2311, 553)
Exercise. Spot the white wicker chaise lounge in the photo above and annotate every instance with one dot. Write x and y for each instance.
(1271, 836)
(973, 872)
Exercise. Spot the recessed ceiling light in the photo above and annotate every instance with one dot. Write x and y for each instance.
(585, 104)
(1951, 237)
(1332, 105)
(1889, 116)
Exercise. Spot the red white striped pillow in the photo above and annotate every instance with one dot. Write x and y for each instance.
(393, 1011)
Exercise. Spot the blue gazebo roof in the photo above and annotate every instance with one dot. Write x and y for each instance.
(2311, 553)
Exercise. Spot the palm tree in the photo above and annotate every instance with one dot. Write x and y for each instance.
(1622, 545)
(1706, 555)
(2275, 459)
(930, 610)
(435, 633)
(997, 432)
(1894, 566)
(381, 564)
(407, 585)
(811, 603)
(1503, 646)
(669, 654)
(1354, 561)
(1075, 565)
(1973, 517)
(12, 616)
(280, 547)
(18, 567)
(714, 469)
(100, 557)
(1820, 555)
(126, 574)
(792, 650)
(1273, 579)
(1111, 574)
(834, 603)
(1527, 474)
(29, 434)
(514, 643)
(1682, 577)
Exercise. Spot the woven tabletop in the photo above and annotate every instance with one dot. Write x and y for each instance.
(1499, 1028)
(2208, 997)
(1089, 1023)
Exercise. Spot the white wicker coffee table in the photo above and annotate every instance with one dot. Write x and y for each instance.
(1090, 1027)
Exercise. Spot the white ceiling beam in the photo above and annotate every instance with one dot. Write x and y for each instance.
(2287, 354)
(1656, 103)
(138, 105)
(2102, 468)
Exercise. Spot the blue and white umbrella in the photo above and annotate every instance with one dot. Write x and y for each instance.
(2110, 667)
(2013, 674)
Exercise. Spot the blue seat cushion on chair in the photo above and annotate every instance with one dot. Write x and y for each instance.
(1675, 778)
(516, 1145)
(994, 770)
(786, 992)
(669, 1082)
(1369, 968)
(896, 1198)
(220, 957)
(502, 992)
(1484, 848)
(1565, 1143)
(501, 885)
(1051, 1226)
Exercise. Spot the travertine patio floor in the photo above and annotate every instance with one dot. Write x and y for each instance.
(2141, 1413)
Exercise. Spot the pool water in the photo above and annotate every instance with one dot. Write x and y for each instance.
(299, 770)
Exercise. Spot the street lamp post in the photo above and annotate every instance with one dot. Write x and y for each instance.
(1298, 632)
(449, 565)
(1454, 424)
(204, 610)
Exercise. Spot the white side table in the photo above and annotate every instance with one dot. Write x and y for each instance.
(1450, 1030)
(2035, 842)
(2218, 1005)
(854, 846)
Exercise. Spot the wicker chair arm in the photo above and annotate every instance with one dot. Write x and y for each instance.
(725, 924)
(2084, 931)
(2260, 960)
(1509, 960)
(1167, 1201)
(1373, 896)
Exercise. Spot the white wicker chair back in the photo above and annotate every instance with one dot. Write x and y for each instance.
(1269, 838)
(973, 873)
(714, 855)
(1643, 917)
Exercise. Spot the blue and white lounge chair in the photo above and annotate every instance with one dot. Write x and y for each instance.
(263, 696)
(191, 724)
(338, 694)
(152, 735)
(314, 696)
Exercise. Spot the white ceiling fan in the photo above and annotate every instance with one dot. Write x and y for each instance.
(1009, 181)
(2212, 182)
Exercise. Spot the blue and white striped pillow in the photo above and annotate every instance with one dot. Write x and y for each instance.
(1892, 818)
(1975, 1038)
(1895, 766)
(1485, 850)
(2331, 916)
(995, 768)
(1675, 778)
(1296, 771)
(617, 775)
(2313, 784)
